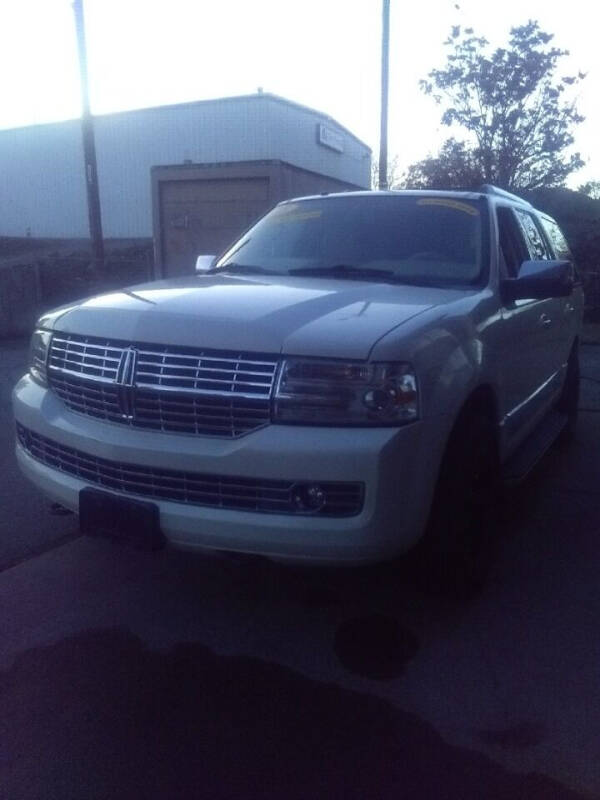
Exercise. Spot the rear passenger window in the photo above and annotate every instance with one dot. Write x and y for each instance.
(557, 240)
(538, 249)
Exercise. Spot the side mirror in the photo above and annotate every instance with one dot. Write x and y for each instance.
(204, 263)
(539, 280)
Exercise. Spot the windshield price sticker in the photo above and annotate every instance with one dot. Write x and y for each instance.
(296, 216)
(455, 204)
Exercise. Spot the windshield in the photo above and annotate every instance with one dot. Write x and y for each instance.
(412, 239)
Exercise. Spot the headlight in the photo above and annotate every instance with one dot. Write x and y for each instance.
(38, 356)
(319, 392)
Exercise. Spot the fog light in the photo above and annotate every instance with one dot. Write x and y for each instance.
(308, 497)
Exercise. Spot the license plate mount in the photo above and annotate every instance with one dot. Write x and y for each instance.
(120, 518)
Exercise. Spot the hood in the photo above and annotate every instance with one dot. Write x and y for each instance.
(292, 315)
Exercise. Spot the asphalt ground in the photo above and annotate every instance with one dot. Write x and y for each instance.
(137, 675)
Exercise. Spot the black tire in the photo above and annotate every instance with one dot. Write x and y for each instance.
(568, 402)
(458, 542)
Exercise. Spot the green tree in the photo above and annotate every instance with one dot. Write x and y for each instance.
(454, 167)
(591, 188)
(511, 104)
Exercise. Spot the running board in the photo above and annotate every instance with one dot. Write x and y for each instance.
(533, 448)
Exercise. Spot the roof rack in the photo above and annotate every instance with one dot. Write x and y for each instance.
(487, 188)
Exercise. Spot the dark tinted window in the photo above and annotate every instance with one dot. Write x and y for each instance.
(428, 239)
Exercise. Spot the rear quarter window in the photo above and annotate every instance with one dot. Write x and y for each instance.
(557, 240)
(538, 249)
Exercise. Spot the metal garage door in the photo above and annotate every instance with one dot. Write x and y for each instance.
(204, 216)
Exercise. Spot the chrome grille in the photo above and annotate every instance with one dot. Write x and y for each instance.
(75, 355)
(223, 491)
(96, 399)
(202, 414)
(176, 389)
(196, 372)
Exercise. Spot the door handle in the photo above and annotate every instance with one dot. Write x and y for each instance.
(544, 320)
(569, 308)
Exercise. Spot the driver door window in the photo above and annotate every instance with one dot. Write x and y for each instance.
(512, 246)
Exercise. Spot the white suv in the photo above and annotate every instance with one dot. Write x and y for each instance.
(355, 370)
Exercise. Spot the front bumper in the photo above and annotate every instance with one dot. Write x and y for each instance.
(397, 466)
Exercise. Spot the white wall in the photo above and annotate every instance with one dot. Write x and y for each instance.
(42, 185)
(41, 167)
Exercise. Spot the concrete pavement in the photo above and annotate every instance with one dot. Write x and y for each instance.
(127, 674)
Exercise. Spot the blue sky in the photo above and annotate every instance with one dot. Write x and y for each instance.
(324, 53)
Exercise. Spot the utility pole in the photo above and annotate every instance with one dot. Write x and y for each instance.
(385, 58)
(89, 144)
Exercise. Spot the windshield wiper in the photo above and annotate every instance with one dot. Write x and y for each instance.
(233, 266)
(346, 271)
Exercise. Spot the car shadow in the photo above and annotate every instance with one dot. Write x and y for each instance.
(101, 715)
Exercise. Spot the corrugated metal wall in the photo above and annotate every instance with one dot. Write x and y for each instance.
(42, 189)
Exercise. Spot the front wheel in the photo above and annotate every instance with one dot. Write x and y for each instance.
(457, 542)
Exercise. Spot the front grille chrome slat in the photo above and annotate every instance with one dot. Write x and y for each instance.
(170, 389)
(222, 491)
(79, 374)
(177, 379)
(209, 359)
(63, 353)
(201, 392)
